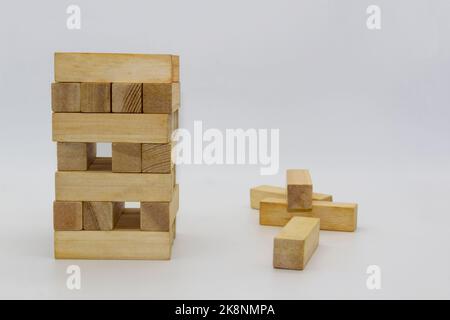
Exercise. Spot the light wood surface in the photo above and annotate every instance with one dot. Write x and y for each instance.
(116, 244)
(111, 127)
(95, 97)
(110, 186)
(75, 156)
(115, 67)
(67, 215)
(299, 189)
(296, 243)
(161, 97)
(66, 97)
(101, 215)
(126, 97)
(156, 157)
(158, 215)
(265, 191)
(126, 157)
(333, 216)
(175, 68)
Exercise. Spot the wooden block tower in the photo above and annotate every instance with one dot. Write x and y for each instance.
(132, 102)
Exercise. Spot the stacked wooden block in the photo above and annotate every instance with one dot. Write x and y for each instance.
(302, 213)
(132, 102)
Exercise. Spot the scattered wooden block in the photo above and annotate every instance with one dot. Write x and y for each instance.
(159, 216)
(95, 97)
(333, 216)
(93, 185)
(296, 243)
(101, 215)
(116, 244)
(264, 191)
(67, 215)
(161, 97)
(127, 97)
(111, 127)
(75, 156)
(126, 157)
(299, 189)
(66, 97)
(113, 67)
(156, 157)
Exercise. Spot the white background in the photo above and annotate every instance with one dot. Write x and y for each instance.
(366, 111)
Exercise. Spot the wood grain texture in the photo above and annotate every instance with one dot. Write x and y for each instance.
(115, 67)
(66, 97)
(299, 189)
(67, 215)
(75, 156)
(333, 216)
(265, 191)
(110, 186)
(111, 127)
(159, 216)
(101, 215)
(96, 97)
(126, 157)
(296, 243)
(175, 68)
(116, 244)
(129, 219)
(127, 97)
(160, 97)
(156, 157)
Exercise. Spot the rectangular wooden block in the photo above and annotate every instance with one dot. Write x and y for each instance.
(101, 215)
(159, 216)
(299, 189)
(127, 97)
(75, 156)
(67, 215)
(115, 67)
(296, 243)
(157, 157)
(264, 191)
(110, 186)
(66, 97)
(95, 97)
(111, 127)
(116, 244)
(161, 97)
(333, 216)
(126, 157)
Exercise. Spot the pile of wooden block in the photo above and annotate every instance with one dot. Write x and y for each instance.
(132, 102)
(302, 213)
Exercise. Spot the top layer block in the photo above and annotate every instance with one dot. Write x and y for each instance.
(116, 67)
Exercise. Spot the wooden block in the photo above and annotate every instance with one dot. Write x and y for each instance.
(333, 216)
(299, 189)
(110, 186)
(96, 97)
(175, 122)
(159, 216)
(114, 67)
(127, 97)
(111, 127)
(129, 219)
(264, 191)
(67, 215)
(175, 68)
(116, 244)
(101, 215)
(102, 164)
(75, 156)
(156, 157)
(66, 97)
(296, 243)
(126, 157)
(161, 97)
